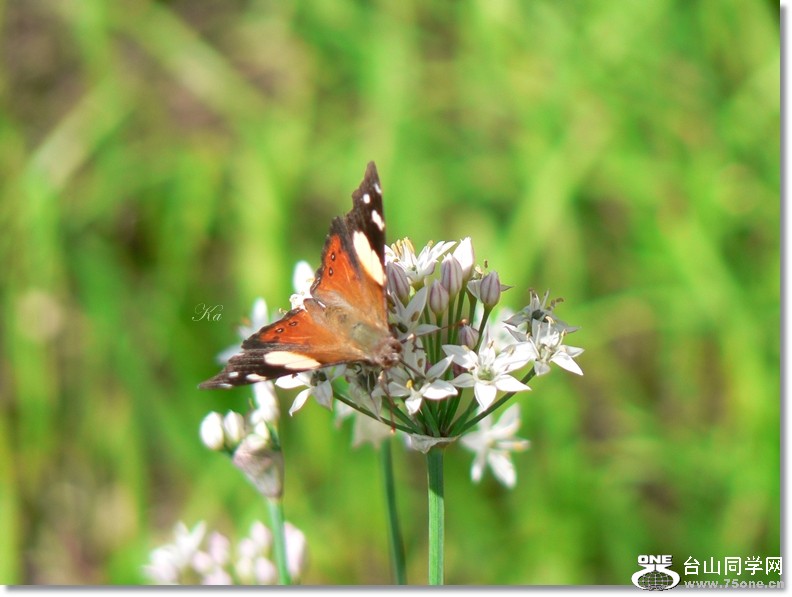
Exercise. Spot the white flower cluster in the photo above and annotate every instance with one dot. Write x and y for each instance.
(453, 338)
(194, 558)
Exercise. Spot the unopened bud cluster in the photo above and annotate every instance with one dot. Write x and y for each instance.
(250, 442)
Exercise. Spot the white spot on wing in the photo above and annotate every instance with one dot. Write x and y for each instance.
(254, 377)
(290, 360)
(366, 198)
(377, 188)
(233, 374)
(368, 258)
(378, 220)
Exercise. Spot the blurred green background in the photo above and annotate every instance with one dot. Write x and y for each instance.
(623, 153)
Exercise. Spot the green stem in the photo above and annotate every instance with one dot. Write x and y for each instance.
(368, 413)
(430, 418)
(462, 419)
(394, 530)
(434, 462)
(484, 318)
(279, 540)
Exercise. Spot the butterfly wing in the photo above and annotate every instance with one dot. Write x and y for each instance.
(301, 340)
(352, 275)
(345, 321)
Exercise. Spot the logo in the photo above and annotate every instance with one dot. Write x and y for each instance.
(656, 574)
(344, 320)
(207, 312)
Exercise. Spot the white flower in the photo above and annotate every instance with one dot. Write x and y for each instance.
(210, 564)
(361, 393)
(234, 427)
(296, 550)
(488, 372)
(212, 431)
(430, 386)
(417, 267)
(185, 561)
(170, 562)
(465, 256)
(493, 445)
(546, 338)
(407, 319)
(252, 565)
(187, 541)
(302, 279)
(539, 309)
(267, 408)
(317, 383)
(162, 569)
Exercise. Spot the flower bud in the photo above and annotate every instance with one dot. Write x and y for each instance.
(490, 289)
(451, 275)
(212, 434)
(234, 427)
(465, 257)
(267, 408)
(260, 425)
(468, 336)
(438, 298)
(398, 282)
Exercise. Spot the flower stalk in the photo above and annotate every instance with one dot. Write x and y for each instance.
(394, 530)
(434, 462)
(275, 506)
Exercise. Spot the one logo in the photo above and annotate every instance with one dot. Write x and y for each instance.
(345, 320)
(656, 574)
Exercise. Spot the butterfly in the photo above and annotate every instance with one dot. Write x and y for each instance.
(345, 320)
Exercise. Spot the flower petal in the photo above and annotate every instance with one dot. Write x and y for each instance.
(477, 470)
(413, 403)
(485, 394)
(502, 467)
(564, 361)
(438, 390)
(461, 355)
(507, 383)
(464, 380)
(299, 401)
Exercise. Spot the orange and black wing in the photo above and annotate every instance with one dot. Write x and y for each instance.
(300, 341)
(352, 274)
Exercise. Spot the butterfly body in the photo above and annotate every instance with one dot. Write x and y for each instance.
(344, 320)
